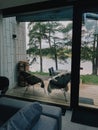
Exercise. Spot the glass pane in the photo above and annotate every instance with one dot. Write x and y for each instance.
(48, 52)
(89, 61)
(55, 61)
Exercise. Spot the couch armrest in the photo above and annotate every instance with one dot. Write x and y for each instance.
(54, 112)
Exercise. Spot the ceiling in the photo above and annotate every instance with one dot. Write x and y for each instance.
(13, 3)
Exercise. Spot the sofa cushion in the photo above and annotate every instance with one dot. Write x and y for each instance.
(17, 122)
(25, 118)
(46, 123)
(32, 112)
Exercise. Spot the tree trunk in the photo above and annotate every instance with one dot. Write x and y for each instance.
(93, 58)
(97, 56)
(41, 65)
(49, 39)
(56, 62)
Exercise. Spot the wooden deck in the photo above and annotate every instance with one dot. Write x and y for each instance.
(35, 92)
(90, 92)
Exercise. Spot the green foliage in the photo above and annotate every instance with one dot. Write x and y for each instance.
(90, 79)
(67, 29)
(32, 50)
(86, 53)
(62, 53)
(47, 32)
(40, 73)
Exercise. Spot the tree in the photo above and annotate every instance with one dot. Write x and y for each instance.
(89, 49)
(36, 34)
(54, 31)
(51, 32)
(89, 44)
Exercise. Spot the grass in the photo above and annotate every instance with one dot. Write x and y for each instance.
(87, 79)
(40, 73)
(90, 79)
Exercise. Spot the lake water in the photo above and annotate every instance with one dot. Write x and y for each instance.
(47, 63)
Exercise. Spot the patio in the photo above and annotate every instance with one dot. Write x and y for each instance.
(35, 92)
(88, 94)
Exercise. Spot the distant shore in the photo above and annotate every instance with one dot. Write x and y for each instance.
(47, 63)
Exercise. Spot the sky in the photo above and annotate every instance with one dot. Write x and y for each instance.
(44, 45)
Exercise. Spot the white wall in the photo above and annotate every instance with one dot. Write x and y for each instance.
(13, 49)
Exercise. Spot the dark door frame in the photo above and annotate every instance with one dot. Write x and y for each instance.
(79, 9)
(76, 45)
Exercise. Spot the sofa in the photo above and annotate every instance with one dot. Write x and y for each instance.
(24, 115)
(4, 84)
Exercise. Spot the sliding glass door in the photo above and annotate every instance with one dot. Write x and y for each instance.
(85, 56)
(88, 87)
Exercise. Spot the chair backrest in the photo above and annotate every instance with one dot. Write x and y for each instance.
(61, 81)
(51, 71)
(25, 74)
(66, 78)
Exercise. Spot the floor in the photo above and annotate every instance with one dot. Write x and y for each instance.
(68, 125)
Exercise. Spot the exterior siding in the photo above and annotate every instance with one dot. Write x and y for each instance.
(13, 49)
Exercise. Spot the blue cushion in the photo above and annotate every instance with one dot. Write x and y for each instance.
(18, 122)
(32, 112)
(25, 118)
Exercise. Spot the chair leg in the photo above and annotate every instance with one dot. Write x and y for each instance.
(45, 91)
(27, 87)
(49, 89)
(64, 92)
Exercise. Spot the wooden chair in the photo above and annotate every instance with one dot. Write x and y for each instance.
(52, 72)
(31, 79)
(60, 82)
